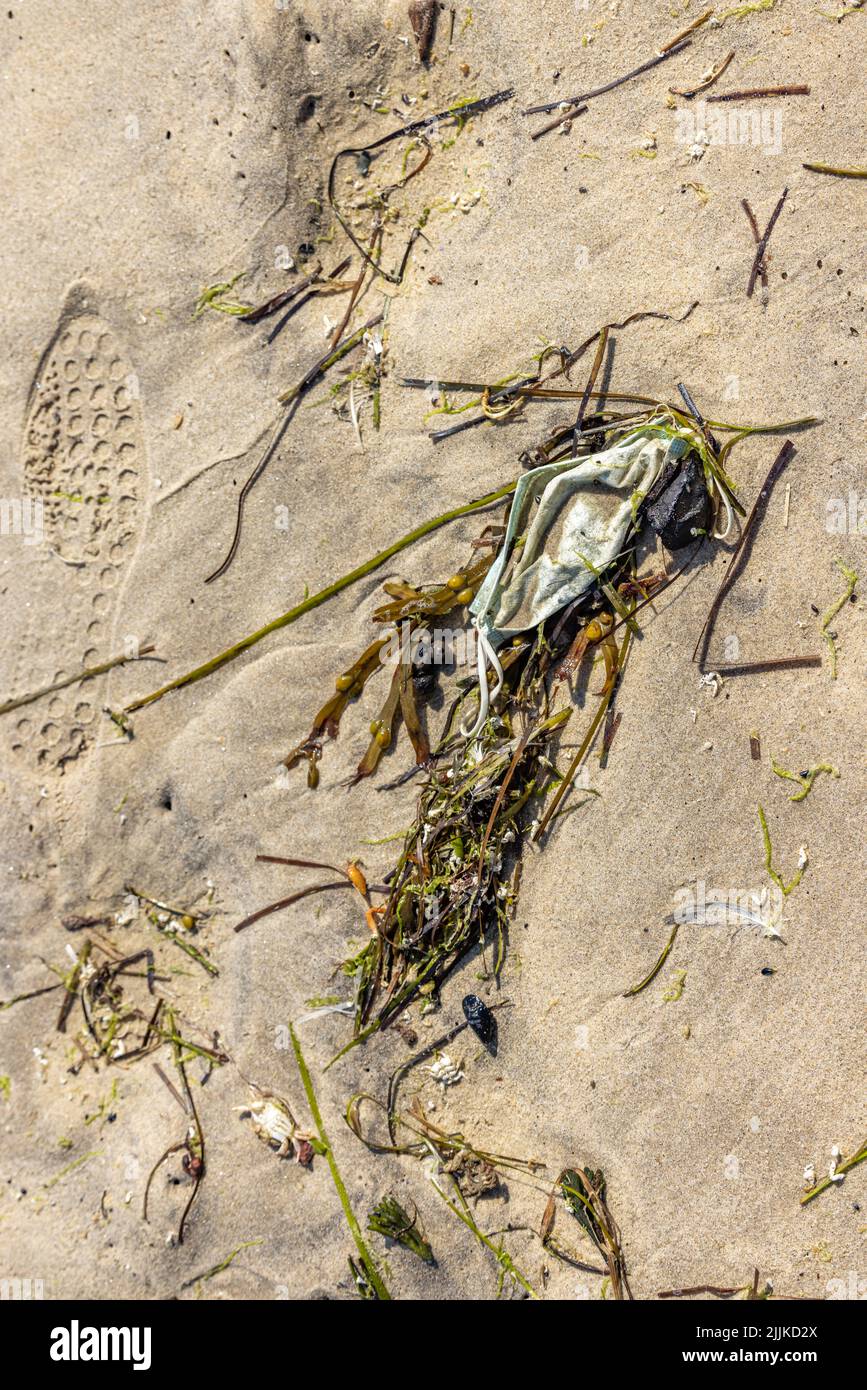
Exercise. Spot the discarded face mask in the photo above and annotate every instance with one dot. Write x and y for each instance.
(584, 511)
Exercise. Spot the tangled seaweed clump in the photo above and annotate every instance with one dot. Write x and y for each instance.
(561, 581)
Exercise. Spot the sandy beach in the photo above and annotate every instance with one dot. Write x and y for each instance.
(155, 151)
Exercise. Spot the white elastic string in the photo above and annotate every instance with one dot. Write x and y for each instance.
(484, 654)
(730, 516)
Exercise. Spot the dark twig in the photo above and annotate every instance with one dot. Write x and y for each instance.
(277, 301)
(594, 372)
(287, 902)
(699, 418)
(792, 91)
(690, 29)
(276, 437)
(564, 119)
(713, 76)
(305, 299)
(763, 243)
(563, 106)
(612, 724)
(545, 107)
(292, 399)
(740, 554)
(774, 663)
(342, 326)
(757, 237)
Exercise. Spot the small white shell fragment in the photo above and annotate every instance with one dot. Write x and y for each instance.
(836, 1155)
(445, 1072)
(697, 149)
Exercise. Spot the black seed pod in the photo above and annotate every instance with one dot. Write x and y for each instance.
(423, 678)
(482, 1021)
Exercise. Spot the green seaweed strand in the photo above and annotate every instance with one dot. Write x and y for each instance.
(373, 1275)
(785, 889)
(504, 1260)
(842, 1167)
(314, 600)
(851, 580)
(804, 780)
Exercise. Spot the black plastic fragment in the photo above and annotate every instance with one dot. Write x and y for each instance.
(482, 1021)
(682, 508)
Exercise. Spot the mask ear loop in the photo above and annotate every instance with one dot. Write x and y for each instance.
(484, 654)
(730, 516)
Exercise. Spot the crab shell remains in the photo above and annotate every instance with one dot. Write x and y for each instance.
(272, 1123)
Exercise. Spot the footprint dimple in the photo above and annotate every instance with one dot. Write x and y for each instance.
(82, 456)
